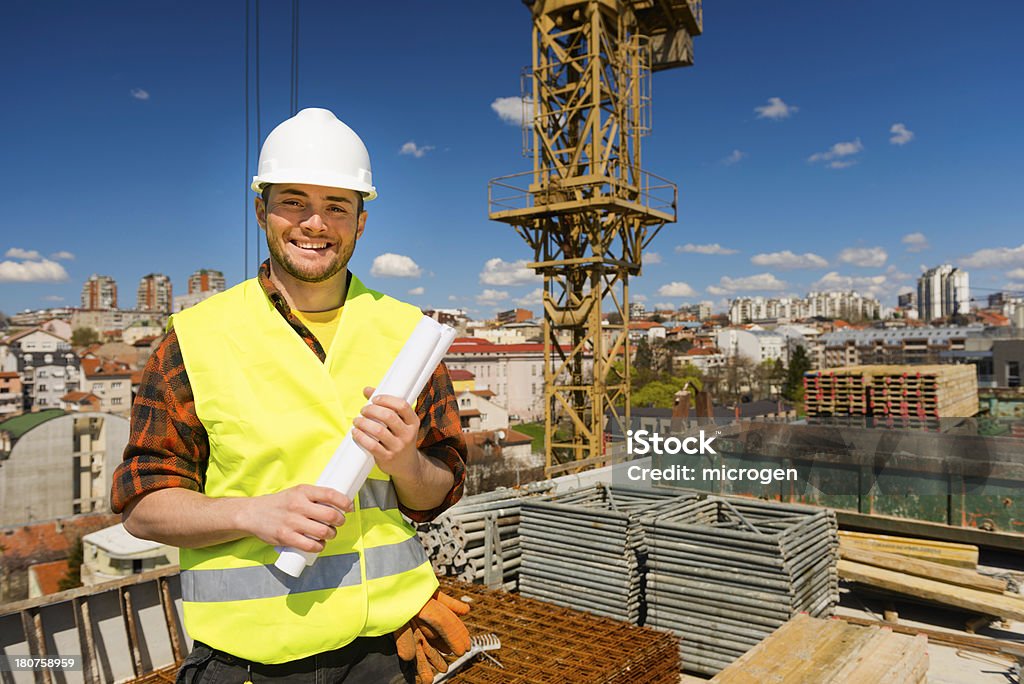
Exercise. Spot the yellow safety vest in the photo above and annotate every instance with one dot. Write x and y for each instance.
(275, 414)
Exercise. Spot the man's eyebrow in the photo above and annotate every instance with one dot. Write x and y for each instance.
(340, 199)
(289, 191)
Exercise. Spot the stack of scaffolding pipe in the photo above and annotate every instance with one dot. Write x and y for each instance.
(725, 572)
(455, 542)
(584, 550)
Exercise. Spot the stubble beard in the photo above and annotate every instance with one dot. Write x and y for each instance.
(309, 275)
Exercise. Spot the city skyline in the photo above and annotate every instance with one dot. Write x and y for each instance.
(805, 160)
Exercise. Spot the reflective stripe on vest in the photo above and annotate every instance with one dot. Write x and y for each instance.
(329, 572)
(274, 414)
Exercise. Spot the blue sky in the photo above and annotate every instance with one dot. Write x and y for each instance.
(124, 145)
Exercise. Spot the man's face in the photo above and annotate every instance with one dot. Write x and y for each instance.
(311, 230)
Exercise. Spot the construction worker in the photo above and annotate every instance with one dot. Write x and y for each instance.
(240, 408)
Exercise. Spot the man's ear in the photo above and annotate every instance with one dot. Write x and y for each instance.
(261, 212)
(360, 224)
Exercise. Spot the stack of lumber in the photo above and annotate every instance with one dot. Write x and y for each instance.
(807, 650)
(947, 553)
(724, 573)
(932, 582)
(905, 394)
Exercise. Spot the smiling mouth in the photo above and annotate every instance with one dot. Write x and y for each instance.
(310, 245)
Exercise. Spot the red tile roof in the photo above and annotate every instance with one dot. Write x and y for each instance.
(485, 393)
(459, 374)
(469, 413)
(48, 575)
(25, 545)
(8, 375)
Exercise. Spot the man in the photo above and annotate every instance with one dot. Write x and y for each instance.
(241, 407)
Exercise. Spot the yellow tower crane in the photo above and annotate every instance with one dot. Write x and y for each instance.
(588, 209)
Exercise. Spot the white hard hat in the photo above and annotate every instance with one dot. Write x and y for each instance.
(315, 148)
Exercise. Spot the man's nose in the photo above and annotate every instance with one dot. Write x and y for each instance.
(314, 221)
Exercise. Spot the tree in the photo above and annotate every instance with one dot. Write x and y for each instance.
(643, 360)
(73, 578)
(83, 337)
(799, 364)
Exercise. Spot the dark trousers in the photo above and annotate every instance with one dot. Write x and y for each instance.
(367, 660)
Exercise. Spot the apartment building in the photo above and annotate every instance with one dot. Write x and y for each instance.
(943, 291)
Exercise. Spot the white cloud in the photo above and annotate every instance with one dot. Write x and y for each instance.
(53, 298)
(664, 306)
(787, 259)
(19, 253)
(754, 283)
(62, 256)
(676, 289)
(776, 109)
(835, 154)
(638, 297)
(915, 242)
(882, 286)
(503, 273)
(44, 271)
(534, 298)
(491, 297)
(140, 94)
(515, 111)
(1016, 274)
(865, 257)
(900, 134)
(413, 150)
(715, 248)
(452, 298)
(995, 257)
(651, 258)
(734, 157)
(390, 265)
(416, 291)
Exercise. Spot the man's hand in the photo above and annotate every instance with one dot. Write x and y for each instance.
(303, 517)
(387, 429)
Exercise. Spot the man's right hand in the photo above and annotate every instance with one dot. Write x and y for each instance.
(302, 517)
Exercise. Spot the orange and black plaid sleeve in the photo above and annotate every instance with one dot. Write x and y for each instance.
(168, 445)
(440, 437)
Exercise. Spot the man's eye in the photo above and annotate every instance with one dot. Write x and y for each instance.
(338, 210)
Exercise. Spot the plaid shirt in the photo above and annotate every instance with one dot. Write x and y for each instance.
(169, 447)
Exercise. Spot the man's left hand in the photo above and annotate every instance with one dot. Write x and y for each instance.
(387, 428)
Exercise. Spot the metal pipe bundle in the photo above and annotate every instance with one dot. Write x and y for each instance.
(725, 572)
(584, 550)
(477, 540)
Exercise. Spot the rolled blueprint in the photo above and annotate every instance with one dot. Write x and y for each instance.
(351, 465)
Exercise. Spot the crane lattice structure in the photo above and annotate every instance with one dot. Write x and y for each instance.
(588, 209)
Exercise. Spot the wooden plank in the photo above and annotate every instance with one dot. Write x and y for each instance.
(922, 568)
(930, 590)
(947, 553)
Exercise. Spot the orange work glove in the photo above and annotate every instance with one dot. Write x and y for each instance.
(434, 629)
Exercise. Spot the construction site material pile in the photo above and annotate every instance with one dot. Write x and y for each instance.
(477, 540)
(545, 643)
(584, 550)
(831, 652)
(725, 573)
(904, 396)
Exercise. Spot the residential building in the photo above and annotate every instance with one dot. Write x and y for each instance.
(756, 345)
(206, 280)
(111, 382)
(514, 316)
(846, 305)
(36, 318)
(154, 293)
(477, 412)
(47, 366)
(704, 359)
(141, 330)
(114, 319)
(943, 291)
(918, 345)
(113, 553)
(99, 292)
(514, 372)
(56, 464)
(11, 400)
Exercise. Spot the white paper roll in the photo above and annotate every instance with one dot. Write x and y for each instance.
(351, 465)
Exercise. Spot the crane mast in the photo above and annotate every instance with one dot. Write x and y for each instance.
(588, 208)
